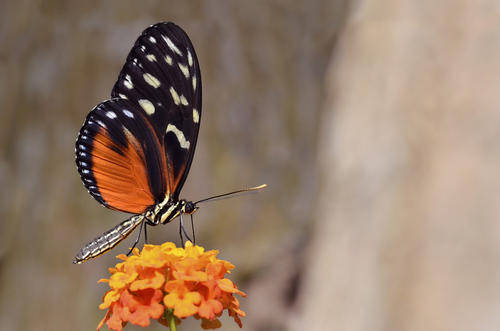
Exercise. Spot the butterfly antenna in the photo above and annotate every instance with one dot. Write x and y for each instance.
(143, 225)
(231, 194)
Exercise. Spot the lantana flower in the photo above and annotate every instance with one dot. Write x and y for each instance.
(167, 283)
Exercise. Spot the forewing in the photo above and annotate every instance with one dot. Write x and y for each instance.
(120, 158)
(162, 78)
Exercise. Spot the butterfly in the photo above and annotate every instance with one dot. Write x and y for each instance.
(134, 151)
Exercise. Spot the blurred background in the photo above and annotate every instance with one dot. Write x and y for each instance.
(376, 125)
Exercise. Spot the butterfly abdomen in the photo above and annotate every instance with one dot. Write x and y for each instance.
(108, 239)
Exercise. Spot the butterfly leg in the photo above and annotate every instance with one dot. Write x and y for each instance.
(192, 229)
(182, 230)
(143, 225)
(145, 233)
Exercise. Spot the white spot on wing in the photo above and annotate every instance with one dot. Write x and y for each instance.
(171, 45)
(190, 59)
(151, 80)
(183, 100)
(101, 123)
(128, 113)
(175, 96)
(184, 69)
(128, 82)
(123, 96)
(194, 82)
(111, 114)
(151, 57)
(168, 59)
(148, 107)
(152, 39)
(180, 136)
(196, 116)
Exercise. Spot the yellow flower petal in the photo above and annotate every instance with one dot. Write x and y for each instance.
(120, 280)
(154, 282)
(109, 298)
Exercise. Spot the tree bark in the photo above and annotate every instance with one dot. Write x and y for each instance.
(407, 220)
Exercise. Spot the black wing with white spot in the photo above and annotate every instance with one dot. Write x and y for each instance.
(162, 78)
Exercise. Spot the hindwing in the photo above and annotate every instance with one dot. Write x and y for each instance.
(120, 158)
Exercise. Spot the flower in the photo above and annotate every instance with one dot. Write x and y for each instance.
(164, 282)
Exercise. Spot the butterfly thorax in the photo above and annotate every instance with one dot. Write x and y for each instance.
(169, 209)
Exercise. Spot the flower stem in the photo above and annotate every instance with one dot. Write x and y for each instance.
(171, 320)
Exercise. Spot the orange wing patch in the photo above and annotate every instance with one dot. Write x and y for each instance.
(120, 173)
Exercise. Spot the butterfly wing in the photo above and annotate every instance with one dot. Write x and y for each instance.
(136, 149)
(119, 157)
(162, 77)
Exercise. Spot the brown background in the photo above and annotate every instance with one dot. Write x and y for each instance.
(376, 125)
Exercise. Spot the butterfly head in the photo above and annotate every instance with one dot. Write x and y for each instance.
(189, 207)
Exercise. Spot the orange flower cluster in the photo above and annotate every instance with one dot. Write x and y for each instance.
(163, 279)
